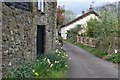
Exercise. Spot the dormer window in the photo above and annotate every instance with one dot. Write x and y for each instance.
(41, 5)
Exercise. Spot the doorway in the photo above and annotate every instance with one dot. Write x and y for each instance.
(40, 39)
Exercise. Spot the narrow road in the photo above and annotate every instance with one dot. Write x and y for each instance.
(84, 65)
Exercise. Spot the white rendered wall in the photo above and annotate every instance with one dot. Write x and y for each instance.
(82, 22)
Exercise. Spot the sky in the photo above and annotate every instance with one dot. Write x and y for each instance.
(78, 5)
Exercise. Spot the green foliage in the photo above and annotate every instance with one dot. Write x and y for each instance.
(114, 57)
(69, 16)
(58, 74)
(72, 33)
(47, 65)
(97, 52)
(20, 71)
(104, 30)
(90, 29)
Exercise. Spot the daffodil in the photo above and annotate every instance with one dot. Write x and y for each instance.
(61, 47)
(66, 65)
(66, 55)
(58, 54)
(36, 74)
(48, 60)
(69, 58)
(56, 50)
(58, 62)
(33, 71)
(44, 59)
(51, 65)
(55, 61)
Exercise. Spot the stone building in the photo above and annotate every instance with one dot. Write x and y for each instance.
(27, 32)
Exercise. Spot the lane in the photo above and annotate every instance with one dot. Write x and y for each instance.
(85, 65)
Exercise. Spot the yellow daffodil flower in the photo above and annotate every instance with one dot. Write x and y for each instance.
(56, 50)
(36, 74)
(58, 54)
(33, 71)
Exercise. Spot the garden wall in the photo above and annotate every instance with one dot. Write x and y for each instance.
(87, 41)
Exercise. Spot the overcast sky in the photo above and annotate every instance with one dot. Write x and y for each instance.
(77, 5)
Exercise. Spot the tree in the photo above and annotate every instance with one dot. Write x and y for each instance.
(68, 16)
(72, 33)
(60, 20)
(60, 16)
(90, 29)
(106, 30)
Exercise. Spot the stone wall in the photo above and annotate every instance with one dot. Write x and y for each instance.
(87, 41)
(19, 33)
(18, 36)
(0, 41)
(50, 13)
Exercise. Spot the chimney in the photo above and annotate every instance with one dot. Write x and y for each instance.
(91, 8)
(83, 12)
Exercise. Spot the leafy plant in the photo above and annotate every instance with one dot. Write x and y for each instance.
(42, 67)
(99, 53)
(72, 33)
(90, 29)
(114, 57)
(106, 30)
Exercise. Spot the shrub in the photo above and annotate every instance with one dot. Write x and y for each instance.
(114, 57)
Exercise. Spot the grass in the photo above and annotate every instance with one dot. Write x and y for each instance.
(58, 74)
(97, 52)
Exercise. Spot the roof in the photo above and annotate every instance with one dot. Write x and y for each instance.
(80, 17)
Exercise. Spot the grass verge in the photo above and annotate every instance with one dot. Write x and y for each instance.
(114, 57)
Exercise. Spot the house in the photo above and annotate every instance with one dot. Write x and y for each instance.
(27, 31)
(81, 20)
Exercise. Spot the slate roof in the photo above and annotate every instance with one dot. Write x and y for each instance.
(80, 17)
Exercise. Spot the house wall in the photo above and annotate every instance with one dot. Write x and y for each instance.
(18, 37)
(50, 22)
(82, 22)
(0, 42)
(19, 32)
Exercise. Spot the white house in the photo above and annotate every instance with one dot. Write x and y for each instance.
(81, 20)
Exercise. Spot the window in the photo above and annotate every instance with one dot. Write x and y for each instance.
(19, 5)
(41, 5)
